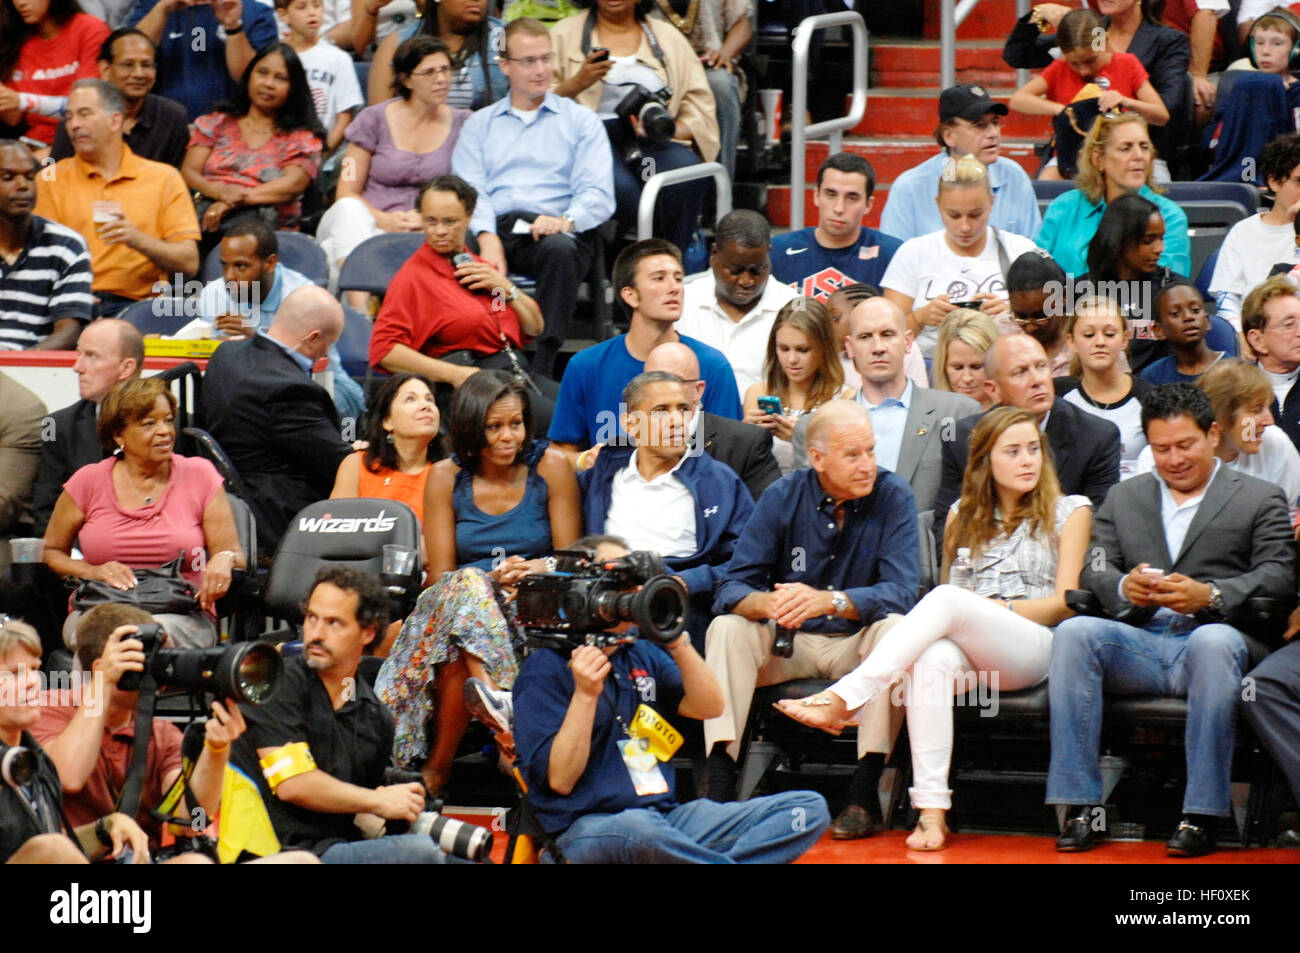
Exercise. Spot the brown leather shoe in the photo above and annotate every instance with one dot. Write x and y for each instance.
(854, 822)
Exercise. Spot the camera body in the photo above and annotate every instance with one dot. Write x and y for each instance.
(247, 672)
(651, 109)
(584, 596)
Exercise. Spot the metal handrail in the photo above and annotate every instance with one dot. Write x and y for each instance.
(951, 15)
(831, 128)
(645, 212)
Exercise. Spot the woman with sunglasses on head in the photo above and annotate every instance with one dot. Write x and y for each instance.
(1038, 292)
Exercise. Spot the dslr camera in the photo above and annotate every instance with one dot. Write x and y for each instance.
(458, 838)
(584, 596)
(657, 123)
(246, 672)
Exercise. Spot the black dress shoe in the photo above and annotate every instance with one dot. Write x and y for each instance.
(1191, 840)
(854, 822)
(1078, 834)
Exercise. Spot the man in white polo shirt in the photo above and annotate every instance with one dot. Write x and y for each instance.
(733, 306)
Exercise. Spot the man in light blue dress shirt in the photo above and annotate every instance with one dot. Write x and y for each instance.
(250, 263)
(968, 124)
(543, 169)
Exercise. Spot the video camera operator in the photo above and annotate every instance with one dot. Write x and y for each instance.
(32, 824)
(91, 738)
(591, 728)
(319, 749)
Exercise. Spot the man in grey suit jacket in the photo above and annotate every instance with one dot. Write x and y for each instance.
(1176, 555)
(911, 423)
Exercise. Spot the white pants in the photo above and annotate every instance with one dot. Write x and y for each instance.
(345, 225)
(951, 642)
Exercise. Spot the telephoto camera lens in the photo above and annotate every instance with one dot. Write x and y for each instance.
(455, 837)
(247, 672)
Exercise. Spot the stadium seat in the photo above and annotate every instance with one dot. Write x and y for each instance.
(211, 450)
(165, 315)
(1205, 274)
(374, 262)
(354, 343)
(297, 251)
(310, 544)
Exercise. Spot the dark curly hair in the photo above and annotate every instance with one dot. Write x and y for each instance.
(298, 111)
(381, 453)
(1279, 158)
(1177, 400)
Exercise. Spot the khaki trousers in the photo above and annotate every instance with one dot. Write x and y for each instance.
(739, 653)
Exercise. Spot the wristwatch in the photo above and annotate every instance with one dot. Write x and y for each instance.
(572, 226)
(1216, 599)
(236, 29)
(840, 601)
(513, 294)
(101, 832)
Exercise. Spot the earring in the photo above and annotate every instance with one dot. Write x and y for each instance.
(389, 438)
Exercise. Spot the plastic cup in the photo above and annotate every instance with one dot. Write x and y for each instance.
(27, 549)
(771, 100)
(398, 560)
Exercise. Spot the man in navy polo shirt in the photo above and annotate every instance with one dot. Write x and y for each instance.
(840, 250)
(604, 796)
(203, 48)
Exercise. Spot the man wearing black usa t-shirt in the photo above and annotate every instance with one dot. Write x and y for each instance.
(840, 250)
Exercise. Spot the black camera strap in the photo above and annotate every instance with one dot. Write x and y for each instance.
(128, 802)
(650, 38)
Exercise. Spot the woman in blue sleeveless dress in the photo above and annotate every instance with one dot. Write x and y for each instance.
(492, 514)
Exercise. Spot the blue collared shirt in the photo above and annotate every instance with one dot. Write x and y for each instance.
(888, 420)
(301, 360)
(793, 537)
(560, 164)
(911, 210)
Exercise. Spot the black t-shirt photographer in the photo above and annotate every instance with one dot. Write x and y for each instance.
(352, 744)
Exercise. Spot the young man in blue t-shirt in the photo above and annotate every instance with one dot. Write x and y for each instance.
(607, 800)
(840, 250)
(648, 280)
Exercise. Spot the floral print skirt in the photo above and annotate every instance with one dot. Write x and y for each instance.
(462, 611)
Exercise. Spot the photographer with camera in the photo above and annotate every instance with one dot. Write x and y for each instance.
(320, 748)
(827, 564)
(641, 76)
(31, 800)
(91, 739)
(592, 727)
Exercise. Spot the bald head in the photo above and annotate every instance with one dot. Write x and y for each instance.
(309, 321)
(676, 358)
(875, 309)
(1018, 374)
(109, 351)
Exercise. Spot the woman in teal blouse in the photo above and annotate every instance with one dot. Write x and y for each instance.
(1116, 158)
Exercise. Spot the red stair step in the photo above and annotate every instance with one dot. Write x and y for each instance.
(903, 63)
(891, 158)
(991, 18)
(915, 112)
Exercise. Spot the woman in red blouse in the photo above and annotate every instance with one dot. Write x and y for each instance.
(449, 314)
(45, 47)
(258, 153)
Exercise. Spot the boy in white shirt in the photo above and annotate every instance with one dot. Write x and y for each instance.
(335, 91)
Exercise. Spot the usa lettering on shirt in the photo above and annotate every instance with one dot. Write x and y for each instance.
(822, 284)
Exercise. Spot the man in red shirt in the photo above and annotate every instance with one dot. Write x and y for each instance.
(91, 739)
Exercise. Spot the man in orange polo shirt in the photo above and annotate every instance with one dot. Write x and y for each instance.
(135, 215)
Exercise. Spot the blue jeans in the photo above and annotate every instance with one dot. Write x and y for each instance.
(765, 830)
(395, 849)
(726, 94)
(1203, 665)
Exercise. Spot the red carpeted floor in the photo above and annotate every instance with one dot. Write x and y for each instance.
(888, 848)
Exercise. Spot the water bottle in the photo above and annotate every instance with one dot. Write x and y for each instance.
(961, 574)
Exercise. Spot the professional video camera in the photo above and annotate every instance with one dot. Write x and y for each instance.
(458, 838)
(584, 596)
(247, 672)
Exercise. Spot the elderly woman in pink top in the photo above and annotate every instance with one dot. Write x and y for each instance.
(144, 506)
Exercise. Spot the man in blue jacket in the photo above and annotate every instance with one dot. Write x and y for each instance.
(686, 506)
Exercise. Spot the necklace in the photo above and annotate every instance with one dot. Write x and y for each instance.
(683, 23)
